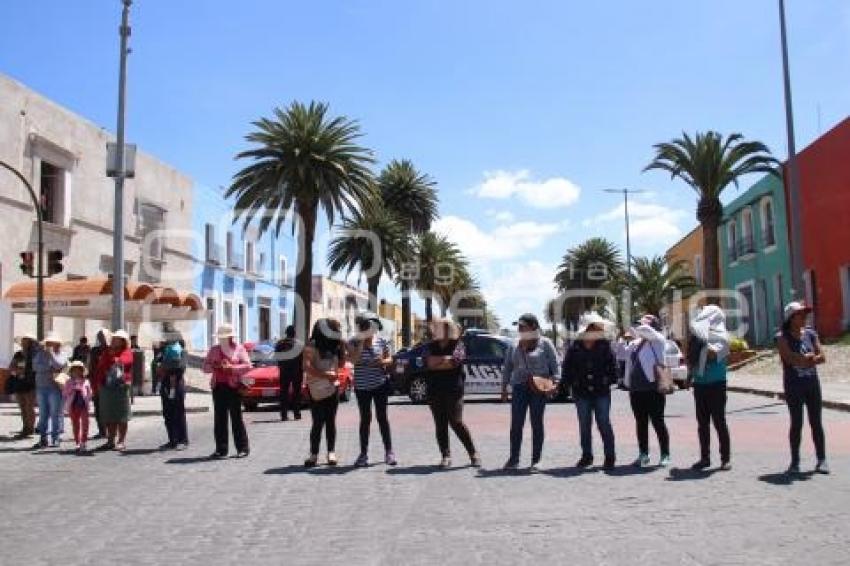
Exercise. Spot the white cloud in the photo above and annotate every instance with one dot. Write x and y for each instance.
(503, 216)
(649, 223)
(518, 287)
(547, 193)
(506, 241)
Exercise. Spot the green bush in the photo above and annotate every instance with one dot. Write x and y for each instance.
(738, 345)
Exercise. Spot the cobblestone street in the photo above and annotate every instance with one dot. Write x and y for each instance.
(150, 507)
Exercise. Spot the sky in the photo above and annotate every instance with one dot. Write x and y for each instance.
(523, 112)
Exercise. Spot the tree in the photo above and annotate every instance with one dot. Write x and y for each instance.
(553, 317)
(654, 282)
(437, 259)
(304, 161)
(589, 266)
(708, 163)
(354, 247)
(412, 196)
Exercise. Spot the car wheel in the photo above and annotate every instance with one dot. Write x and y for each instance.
(250, 406)
(418, 390)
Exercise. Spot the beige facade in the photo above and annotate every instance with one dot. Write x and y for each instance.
(335, 299)
(392, 312)
(63, 156)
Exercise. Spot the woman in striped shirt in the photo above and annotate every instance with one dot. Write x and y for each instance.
(370, 355)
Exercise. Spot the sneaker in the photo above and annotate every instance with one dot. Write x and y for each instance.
(332, 460)
(642, 461)
(665, 461)
(284, 418)
(218, 455)
(610, 463)
(511, 465)
(701, 464)
(311, 461)
(121, 447)
(793, 468)
(243, 453)
(362, 461)
(725, 466)
(77, 446)
(55, 442)
(534, 468)
(475, 460)
(822, 467)
(83, 448)
(181, 446)
(166, 446)
(585, 462)
(297, 416)
(445, 463)
(390, 459)
(40, 444)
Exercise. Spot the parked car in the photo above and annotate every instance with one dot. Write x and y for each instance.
(675, 360)
(485, 356)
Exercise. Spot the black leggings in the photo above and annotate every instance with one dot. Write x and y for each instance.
(800, 392)
(710, 401)
(447, 410)
(324, 416)
(227, 405)
(649, 406)
(380, 397)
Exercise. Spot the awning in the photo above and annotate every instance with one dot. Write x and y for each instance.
(92, 299)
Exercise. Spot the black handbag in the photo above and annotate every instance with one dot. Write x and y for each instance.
(11, 385)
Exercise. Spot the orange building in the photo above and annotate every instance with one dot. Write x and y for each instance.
(688, 250)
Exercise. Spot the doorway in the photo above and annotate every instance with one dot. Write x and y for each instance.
(243, 324)
(265, 324)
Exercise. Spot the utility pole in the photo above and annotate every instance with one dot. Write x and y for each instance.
(793, 177)
(118, 231)
(626, 193)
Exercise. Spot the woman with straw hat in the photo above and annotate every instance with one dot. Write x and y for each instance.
(77, 395)
(228, 361)
(47, 363)
(113, 376)
(444, 357)
(23, 376)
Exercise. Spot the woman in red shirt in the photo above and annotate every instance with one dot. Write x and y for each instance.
(112, 380)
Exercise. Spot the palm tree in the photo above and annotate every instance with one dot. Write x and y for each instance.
(460, 281)
(709, 164)
(354, 247)
(591, 265)
(438, 257)
(654, 282)
(304, 161)
(552, 317)
(412, 196)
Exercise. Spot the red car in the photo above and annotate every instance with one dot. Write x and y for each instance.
(265, 385)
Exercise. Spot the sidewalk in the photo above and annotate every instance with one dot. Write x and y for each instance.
(148, 406)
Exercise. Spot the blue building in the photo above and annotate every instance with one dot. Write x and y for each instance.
(244, 279)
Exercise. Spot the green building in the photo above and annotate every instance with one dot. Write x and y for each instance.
(755, 258)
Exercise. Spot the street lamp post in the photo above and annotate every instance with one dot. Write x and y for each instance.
(626, 193)
(793, 178)
(39, 278)
(118, 232)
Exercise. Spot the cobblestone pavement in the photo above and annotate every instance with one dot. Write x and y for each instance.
(150, 507)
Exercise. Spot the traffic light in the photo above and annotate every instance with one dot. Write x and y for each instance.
(54, 262)
(28, 263)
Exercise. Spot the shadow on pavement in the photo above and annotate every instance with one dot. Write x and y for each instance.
(631, 470)
(191, 460)
(785, 478)
(502, 473)
(317, 471)
(758, 409)
(139, 451)
(21, 449)
(687, 474)
(571, 472)
(422, 470)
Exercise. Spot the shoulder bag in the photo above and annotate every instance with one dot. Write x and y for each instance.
(664, 383)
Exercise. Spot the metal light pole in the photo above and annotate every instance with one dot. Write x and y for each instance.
(626, 193)
(118, 232)
(39, 281)
(793, 178)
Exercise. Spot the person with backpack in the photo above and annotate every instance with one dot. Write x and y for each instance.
(290, 366)
(646, 352)
(113, 378)
(800, 351)
(78, 395)
(590, 369)
(370, 355)
(172, 391)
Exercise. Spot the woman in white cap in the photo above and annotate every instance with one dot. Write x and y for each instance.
(708, 348)
(646, 352)
(113, 376)
(590, 369)
(801, 353)
(228, 361)
(47, 363)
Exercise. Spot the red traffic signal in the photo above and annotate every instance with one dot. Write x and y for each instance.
(28, 263)
(54, 262)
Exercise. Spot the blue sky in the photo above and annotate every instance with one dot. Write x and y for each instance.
(522, 112)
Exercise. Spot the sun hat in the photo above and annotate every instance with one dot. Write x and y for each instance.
(53, 338)
(122, 334)
(591, 318)
(225, 331)
(795, 307)
(26, 336)
(370, 317)
(77, 364)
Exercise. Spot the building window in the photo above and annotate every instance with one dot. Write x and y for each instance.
(261, 264)
(151, 228)
(250, 265)
(211, 322)
(282, 275)
(747, 244)
(228, 253)
(227, 312)
(52, 193)
(768, 230)
(211, 250)
(698, 268)
(732, 239)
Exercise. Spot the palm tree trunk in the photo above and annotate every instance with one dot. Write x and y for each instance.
(711, 254)
(405, 314)
(555, 333)
(444, 310)
(373, 293)
(304, 277)
(429, 309)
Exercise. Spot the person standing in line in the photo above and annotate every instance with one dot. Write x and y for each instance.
(290, 366)
(23, 376)
(708, 348)
(77, 396)
(228, 361)
(800, 351)
(370, 355)
(444, 358)
(81, 351)
(47, 363)
(101, 346)
(114, 377)
(532, 356)
(172, 392)
(590, 369)
(646, 351)
(323, 358)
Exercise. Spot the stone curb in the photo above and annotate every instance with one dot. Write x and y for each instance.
(828, 403)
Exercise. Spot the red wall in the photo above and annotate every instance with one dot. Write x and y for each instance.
(825, 206)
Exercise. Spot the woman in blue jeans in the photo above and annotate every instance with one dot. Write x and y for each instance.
(590, 369)
(532, 355)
